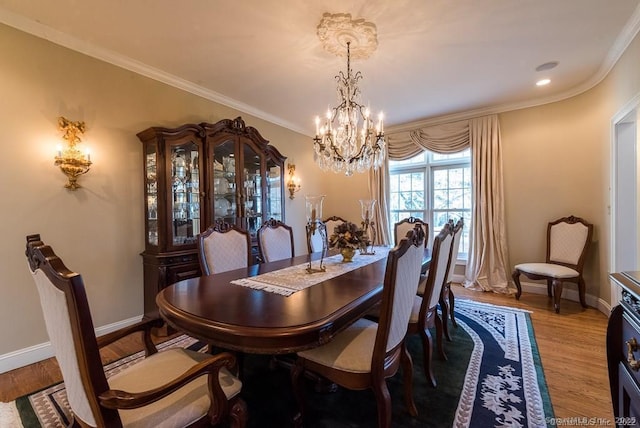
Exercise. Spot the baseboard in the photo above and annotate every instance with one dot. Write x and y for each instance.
(33, 354)
(569, 294)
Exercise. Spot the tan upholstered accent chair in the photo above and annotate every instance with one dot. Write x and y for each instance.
(173, 388)
(424, 314)
(275, 241)
(447, 299)
(317, 241)
(366, 353)
(223, 247)
(568, 239)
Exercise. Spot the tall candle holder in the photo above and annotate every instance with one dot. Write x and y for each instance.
(366, 209)
(313, 208)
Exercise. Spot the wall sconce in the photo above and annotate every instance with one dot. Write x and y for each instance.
(72, 162)
(293, 184)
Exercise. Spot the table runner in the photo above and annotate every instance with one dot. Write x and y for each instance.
(295, 278)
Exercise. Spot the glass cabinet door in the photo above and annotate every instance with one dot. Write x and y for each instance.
(225, 198)
(151, 183)
(184, 187)
(274, 190)
(251, 189)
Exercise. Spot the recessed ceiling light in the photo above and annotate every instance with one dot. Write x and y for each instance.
(547, 66)
(543, 82)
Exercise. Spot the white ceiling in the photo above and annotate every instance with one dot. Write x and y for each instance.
(434, 58)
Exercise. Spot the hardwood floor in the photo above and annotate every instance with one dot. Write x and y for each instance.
(571, 345)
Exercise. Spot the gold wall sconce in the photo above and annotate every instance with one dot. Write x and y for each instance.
(293, 184)
(71, 160)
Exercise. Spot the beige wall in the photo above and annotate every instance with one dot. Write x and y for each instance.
(97, 230)
(556, 162)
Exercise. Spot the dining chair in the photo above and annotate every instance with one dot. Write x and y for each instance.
(172, 388)
(223, 247)
(275, 241)
(568, 239)
(447, 299)
(316, 241)
(424, 314)
(331, 223)
(400, 228)
(366, 353)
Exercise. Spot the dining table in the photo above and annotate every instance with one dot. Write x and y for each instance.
(219, 311)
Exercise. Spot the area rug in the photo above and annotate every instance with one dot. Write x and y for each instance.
(493, 378)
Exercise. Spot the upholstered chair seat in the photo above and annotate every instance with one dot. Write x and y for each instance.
(179, 409)
(547, 269)
(351, 350)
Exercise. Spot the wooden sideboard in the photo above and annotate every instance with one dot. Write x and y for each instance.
(623, 350)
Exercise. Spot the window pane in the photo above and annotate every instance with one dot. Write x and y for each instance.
(456, 177)
(460, 155)
(440, 179)
(414, 160)
(440, 199)
(455, 199)
(435, 188)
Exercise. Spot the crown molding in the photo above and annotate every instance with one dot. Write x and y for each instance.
(622, 42)
(626, 36)
(86, 48)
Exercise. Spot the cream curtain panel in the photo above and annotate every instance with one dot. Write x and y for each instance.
(487, 264)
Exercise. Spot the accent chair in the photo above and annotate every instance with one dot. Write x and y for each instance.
(568, 239)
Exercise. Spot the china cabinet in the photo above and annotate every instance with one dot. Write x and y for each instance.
(195, 175)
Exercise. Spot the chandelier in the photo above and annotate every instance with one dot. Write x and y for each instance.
(349, 139)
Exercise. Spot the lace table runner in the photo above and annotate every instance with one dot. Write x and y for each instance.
(295, 278)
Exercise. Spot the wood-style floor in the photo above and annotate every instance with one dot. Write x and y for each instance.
(571, 344)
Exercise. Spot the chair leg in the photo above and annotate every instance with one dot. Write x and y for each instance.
(238, 413)
(452, 302)
(581, 290)
(296, 382)
(444, 305)
(383, 401)
(516, 279)
(557, 294)
(427, 352)
(439, 335)
(407, 379)
(549, 285)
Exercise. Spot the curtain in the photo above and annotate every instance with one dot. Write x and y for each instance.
(487, 264)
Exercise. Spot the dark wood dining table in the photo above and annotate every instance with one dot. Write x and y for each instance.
(239, 318)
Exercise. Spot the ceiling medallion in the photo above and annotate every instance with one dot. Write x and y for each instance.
(336, 29)
(349, 139)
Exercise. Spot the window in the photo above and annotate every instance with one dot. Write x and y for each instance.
(435, 188)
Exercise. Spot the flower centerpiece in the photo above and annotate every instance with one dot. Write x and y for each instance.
(347, 237)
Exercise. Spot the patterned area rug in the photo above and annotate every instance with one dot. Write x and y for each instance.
(493, 378)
